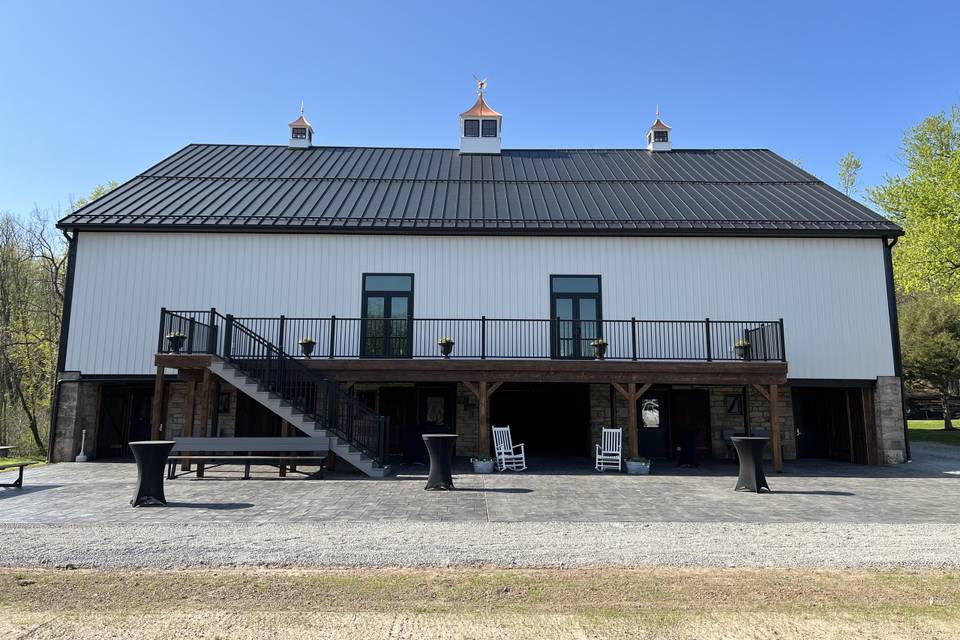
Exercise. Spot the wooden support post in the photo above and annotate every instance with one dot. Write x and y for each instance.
(483, 442)
(633, 445)
(869, 426)
(773, 397)
(632, 395)
(157, 414)
(188, 418)
(204, 412)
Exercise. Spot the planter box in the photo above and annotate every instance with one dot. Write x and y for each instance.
(638, 468)
(483, 466)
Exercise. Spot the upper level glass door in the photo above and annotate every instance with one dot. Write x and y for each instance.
(386, 329)
(575, 310)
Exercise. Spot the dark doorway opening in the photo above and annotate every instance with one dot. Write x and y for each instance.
(829, 424)
(653, 424)
(690, 424)
(550, 419)
(413, 411)
(125, 416)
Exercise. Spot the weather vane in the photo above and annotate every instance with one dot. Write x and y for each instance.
(481, 85)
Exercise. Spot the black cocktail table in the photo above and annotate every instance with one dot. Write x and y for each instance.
(151, 457)
(440, 450)
(750, 452)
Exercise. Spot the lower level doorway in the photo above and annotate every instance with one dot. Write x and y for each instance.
(550, 419)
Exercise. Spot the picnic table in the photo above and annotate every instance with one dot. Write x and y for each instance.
(18, 483)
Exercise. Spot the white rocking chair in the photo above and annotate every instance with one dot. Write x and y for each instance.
(508, 456)
(610, 450)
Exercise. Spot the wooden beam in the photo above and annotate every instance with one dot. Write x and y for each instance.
(642, 390)
(773, 397)
(494, 387)
(633, 446)
(763, 392)
(483, 441)
(204, 412)
(188, 408)
(869, 425)
(472, 388)
(623, 392)
(157, 414)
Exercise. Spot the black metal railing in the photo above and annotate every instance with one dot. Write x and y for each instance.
(685, 340)
(307, 390)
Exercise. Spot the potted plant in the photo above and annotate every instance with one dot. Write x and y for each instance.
(743, 349)
(482, 464)
(175, 341)
(599, 348)
(638, 466)
(306, 346)
(446, 346)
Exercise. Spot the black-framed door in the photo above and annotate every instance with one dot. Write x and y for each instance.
(653, 426)
(387, 310)
(576, 316)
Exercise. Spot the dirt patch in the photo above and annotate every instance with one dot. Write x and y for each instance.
(395, 603)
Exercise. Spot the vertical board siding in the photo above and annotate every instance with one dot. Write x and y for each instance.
(830, 292)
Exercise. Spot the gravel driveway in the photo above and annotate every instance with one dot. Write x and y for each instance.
(419, 544)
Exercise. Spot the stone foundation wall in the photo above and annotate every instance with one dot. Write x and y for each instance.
(888, 414)
(76, 411)
(720, 420)
(600, 415)
(177, 411)
(468, 423)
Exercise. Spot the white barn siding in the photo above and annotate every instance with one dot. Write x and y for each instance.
(830, 292)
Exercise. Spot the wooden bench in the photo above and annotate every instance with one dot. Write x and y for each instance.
(246, 451)
(18, 483)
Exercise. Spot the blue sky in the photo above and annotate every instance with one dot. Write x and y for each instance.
(102, 90)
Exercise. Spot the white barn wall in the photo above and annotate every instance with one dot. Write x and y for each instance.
(830, 292)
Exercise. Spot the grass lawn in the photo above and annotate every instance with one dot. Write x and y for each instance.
(932, 431)
(480, 603)
(13, 459)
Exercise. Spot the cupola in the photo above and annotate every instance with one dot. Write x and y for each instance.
(658, 136)
(480, 125)
(301, 133)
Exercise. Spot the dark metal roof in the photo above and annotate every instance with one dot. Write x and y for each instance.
(547, 191)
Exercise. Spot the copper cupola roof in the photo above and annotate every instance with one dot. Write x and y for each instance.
(480, 108)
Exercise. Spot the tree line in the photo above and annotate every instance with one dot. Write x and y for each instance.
(33, 274)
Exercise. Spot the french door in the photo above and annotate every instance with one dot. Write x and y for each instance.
(576, 315)
(386, 325)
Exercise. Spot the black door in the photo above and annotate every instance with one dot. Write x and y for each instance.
(386, 329)
(576, 315)
(437, 409)
(690, 423)
(653, 424)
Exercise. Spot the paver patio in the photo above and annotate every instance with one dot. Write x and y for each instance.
(568, 490)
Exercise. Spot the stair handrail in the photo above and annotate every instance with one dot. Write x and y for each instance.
(316, 396)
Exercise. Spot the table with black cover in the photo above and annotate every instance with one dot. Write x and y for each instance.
(151, 457)
(440, 449)
(750, 452)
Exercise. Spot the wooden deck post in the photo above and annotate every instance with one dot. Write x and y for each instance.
(204, 412)
(188, 418)
(157, 414)
(633, 446)
(483, 442)
(773, 398)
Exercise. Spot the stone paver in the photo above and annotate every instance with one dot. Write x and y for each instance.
(924, 491)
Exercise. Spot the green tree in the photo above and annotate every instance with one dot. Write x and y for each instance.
(926, 202)
(98, 191)
(930, 342)
(849, 172)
